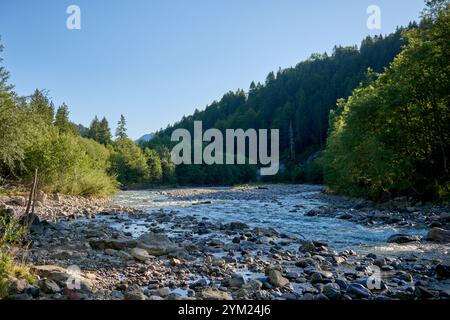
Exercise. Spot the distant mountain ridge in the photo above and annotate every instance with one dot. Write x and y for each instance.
(146, 137)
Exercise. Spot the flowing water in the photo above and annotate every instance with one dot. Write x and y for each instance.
(285, 213)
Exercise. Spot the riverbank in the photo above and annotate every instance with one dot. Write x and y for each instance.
(161, 253)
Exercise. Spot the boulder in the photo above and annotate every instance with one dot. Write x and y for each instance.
(308, 246)
(236, 281)
(134, 295)
(443, 271)
(214, 294)
(236, 226)
(18, 286)
(332, 291)
(140, 254)
(438, 235)
(276, 279)
(116, 244)
(49, 286)
(403, 238)
(306, 262)
(62, 276)
(156, 244)
(358, 291)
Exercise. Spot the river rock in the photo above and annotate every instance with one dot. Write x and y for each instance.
(438, 235)
(18, 286)
(443, 270)
(403, 238)
(116, 244)
(214, 294)
(276, 279)
(140, 254)
(135, 294)
(49, 286)
(236, 226)
(61, 276)
(307, 247)
(156, 244)
(236, 281)
(332, 291)
(358, 291)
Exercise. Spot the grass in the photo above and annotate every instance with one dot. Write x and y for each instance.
(10, 270)
(11, 234)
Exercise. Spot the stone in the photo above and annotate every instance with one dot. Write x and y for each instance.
(214, 294)
(443, 271)
(18, 286)
(63, 254)
(117, 294)
(253, 285)
(445, 216)
(438, 235)
(307, 247)
(134, 295)
(124, 255)
(403, 238)
(49, 286)
(405, 276)
(332, 291)
(316, 277)
(61, 276)
(276, 279)
(358, 291)
(304, 263)
(236, 281)
(236, 226)
(116, 244)
(312, 213)
(140, 254)
(174, 262)
(156, 244)
(161, 292)
(242, 294)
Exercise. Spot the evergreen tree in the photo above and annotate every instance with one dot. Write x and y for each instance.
(41, 105)
(121, 131)
(62, 121)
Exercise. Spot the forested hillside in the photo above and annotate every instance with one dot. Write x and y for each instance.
(295, 100)
(392, 136)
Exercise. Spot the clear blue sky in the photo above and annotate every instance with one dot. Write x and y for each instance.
(156, 60)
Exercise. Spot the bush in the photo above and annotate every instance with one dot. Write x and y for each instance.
(129, 162)
(71, 165)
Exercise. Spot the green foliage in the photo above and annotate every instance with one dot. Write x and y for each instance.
(11, 233)
(100, 131)
(71, 165)
(154, 165)
(391, 137)
(295, 100)
(121, 131)
(62, 121)
(129, 162)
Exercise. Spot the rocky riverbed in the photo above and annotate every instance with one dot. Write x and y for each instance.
(274, 242)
